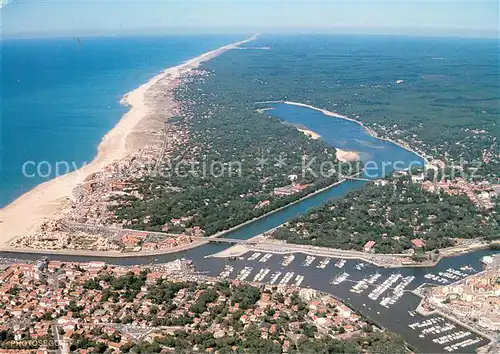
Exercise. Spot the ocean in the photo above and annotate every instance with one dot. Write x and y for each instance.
(60, 96)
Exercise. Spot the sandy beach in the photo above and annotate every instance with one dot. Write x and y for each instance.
(309, 133)
(48, 199)
(347, 156)
(337, 115)
(342, 155)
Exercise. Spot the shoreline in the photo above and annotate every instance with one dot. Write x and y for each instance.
(240, 249)
(160, 252)
(338, 115)
(309, 133)
(43, 202)
(319, 251)
(136, 100)
(347, 155)
(105, 254)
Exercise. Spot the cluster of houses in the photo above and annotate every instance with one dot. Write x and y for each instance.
(262, 204)
(291, 189)
(115, 181)
(475, 298)
(144, 241)
(54, 235)
(480, 193)
(37, 297)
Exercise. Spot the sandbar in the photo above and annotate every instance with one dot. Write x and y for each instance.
(347, 156)
(309, 133)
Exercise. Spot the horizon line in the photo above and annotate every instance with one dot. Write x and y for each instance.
(57, 35)
(442, 32)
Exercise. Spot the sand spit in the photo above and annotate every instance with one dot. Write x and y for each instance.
(309, 133)
(371, 132)
(347, 156)
(48, 199)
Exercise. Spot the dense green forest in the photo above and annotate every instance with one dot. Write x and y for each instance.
(447, 103)
(392, 215)
(449, 111)
(224, 129)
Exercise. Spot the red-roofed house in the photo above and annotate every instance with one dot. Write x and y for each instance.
(418, 242)
(369, 246)
(114, 345)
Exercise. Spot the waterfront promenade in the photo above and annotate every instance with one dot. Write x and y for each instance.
(263, 244)
(380, 260)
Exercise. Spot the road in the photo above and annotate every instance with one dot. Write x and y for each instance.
(136, 333)
(57, 337)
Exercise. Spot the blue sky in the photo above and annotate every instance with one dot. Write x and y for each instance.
(79, 17)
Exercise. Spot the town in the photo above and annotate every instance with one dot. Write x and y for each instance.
(473, 300)
(83, 307)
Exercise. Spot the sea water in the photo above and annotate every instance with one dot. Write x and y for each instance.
(60, 96)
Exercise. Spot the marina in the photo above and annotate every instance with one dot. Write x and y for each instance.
(266, 257)
(376, 292)
(386, 284)
(227, 272)
(396, 317)
(446, 333)
(373, 279)
(261, 274)
(360, 286)
(397, 293)
(244, 273)
(298, 280)
(337, 276)
(275, 277)
(339, 279)
(360, 266)
(254, 256)
(463, 344)
(381, 283)
(288, 276)
(450, 275)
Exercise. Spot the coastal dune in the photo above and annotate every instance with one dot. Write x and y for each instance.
(45, 201)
